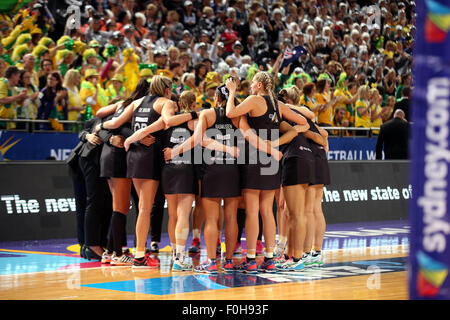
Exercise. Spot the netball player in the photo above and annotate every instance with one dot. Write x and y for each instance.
(259, 189)
(316, 224)
(298, 169)
(113, 166)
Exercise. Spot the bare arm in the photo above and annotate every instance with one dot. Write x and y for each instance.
(303, 110)
(123, 118)
(144, 132)
(206, 120)
(314, 136)
(107, 110)
(196, 138)
(293, 116)
(256, 141)
(244, 107)
(289, 133)
(169, 117)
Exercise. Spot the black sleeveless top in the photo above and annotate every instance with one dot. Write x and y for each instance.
(145, 114)
(263, 126)
(224, 132)
(299, 146)
(124, 129)
(266, 122)
(315, 147)
(175, 136)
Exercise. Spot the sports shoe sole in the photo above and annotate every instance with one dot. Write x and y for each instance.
(248, 271)
(121, 264)
(274, 270)
(181, 270)
(206, 271)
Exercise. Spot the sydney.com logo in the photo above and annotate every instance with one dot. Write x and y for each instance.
(431, 276)
(437, 22)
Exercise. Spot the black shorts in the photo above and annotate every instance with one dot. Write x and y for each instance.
(261, 177)
(144, 162)
(198, 169)
(296, 170)
(179, 179)
(113, 162)
(322, 170)
(220, 181)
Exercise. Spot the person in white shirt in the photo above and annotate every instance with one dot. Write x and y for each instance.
(164, 42)
(236, 55)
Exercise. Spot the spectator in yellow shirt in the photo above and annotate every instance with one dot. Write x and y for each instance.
(71, 83)
(347, 99)
(376, 109)
(307, 99)
(362, 110)
(206, 100)
(388, 108)
(325, 102)
(10, 99)
(91, 93)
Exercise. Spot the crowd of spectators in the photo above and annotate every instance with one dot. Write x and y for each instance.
(61, 63)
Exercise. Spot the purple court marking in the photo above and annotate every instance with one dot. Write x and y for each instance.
(8, 255)
(337, 236)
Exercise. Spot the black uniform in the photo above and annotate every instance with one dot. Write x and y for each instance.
(178, 174)
(113, 160)
(256, 174)
(322, 170)
(145, 162)
(98, 196)
(221, 178)
(298, 163)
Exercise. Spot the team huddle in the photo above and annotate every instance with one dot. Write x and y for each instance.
(239, 155)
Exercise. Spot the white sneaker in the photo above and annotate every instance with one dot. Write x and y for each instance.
(297, 266)
(106, 257)
(278, 252)
(123, 260)
(181, 265)
(316, 259)
(307, 260)
(286, 265)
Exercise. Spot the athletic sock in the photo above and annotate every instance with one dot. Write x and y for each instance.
(196, 233)
(180, 251)
(315, 253)
(296, 259)
(251, 256)
(140, 255)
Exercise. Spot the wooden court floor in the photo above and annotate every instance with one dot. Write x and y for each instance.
(376, 272)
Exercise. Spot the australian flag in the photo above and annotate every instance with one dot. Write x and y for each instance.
(291, 55)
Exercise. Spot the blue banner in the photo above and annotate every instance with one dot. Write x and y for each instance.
(350, 148)
(15, 145)
(430, 154)
(40, 146)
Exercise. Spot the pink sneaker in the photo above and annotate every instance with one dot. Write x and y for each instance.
(259, 248)
(195, 246)
(237, 249)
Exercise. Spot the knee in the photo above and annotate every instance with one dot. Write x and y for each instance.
(309, 212)
(267, 214)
